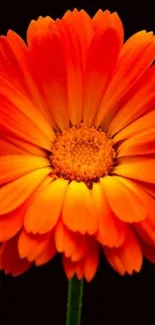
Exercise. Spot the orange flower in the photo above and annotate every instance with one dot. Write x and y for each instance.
(77, 146)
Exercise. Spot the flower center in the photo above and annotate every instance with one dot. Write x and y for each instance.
(82, 154)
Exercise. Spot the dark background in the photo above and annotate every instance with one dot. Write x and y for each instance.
(39, 296)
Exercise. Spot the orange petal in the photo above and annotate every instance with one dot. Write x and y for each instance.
(82, 24)
(75, 33)
(143, 123)
(135, 40)
(10, 261)
(30, 246)
(138, 168)
(10, 146)
(11, 223)
(72, 51)
(105, 17)
(149, 188)
(134, 61)
(17, 112)
(140, 100)
(124, 202)
(100, 65)
(15, 67)
(101, 17)
(78, 203)
(146, 228)
(15, 166)
(80, 270)
(36, 31)
(71, 267)
(47, 254)
(85, 267)
(148, 251)
(91, 261)
(72, 244)
(140, 144)
(51, 75)
(13, 194)
(146, 232)
(45, 208)
(42, 25)
(11, 67)
(139, 190)
(128, 257)
(111, 231)
(81, 248)
(65, 240)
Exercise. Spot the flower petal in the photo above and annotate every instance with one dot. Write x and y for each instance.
(146, 232)
(100, 65)
(10, 146)
(143, 123)
(17, 112)
(138, 168)
(70, 267)
(65, 240)
(13, 194)
(82, 24)
(127, 205)
(47, 254)
(45, 208)
(30, 246)
(72, 53)
(105, 17)
(11, 223)
(86, 267)
(135, 58)
(146, 228)
(91, 261)
(78, 203)
(148, 251)
(140, 101)
(81, 248)
(10, 261)
(77, 31)
(128, 257)
(15, 166)
(140, 144)
(73, 245)
(147, 187)
(15, 67)
(111, 231)
(51, 75)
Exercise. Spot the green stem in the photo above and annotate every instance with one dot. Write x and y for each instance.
(74, 303)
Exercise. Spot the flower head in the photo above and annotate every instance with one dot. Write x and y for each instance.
(77, 146)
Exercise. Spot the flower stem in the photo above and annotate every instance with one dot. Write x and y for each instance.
(74, 303)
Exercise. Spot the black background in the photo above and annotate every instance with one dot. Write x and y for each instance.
(39, 296)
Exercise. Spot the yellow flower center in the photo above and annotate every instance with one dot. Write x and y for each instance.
(82, 154)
